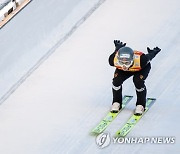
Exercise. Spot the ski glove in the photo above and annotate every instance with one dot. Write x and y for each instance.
(118, 44)
(152, 52)
(155, 51)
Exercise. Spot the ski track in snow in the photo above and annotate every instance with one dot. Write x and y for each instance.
(54, 110)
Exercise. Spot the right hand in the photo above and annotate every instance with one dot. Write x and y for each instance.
(118, 44)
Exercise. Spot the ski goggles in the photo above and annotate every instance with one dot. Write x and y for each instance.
(125, 63)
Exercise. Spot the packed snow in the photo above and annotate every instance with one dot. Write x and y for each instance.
(63, 98)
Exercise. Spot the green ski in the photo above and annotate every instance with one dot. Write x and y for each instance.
(110, 117)
(133, 120)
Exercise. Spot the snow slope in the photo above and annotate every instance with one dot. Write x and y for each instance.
(53, 111)
(28, 39)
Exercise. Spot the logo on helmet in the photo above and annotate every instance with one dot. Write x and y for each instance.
(125, 56)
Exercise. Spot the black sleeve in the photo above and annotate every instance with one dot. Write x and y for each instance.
(111, 58)
(144, 60)
(150, 56)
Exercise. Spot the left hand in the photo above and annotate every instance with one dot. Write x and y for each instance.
(156, 50)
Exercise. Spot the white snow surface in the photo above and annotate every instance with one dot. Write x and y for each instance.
(34, 34)
(55, 108)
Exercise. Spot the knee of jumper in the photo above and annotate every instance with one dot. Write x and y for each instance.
(138, 82)
(116, 85)
(117, 82)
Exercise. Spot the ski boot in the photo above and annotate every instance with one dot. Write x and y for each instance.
(139, 110)
(115, 107)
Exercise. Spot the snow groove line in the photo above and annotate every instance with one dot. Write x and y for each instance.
(51, 51)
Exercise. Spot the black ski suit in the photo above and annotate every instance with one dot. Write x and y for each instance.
(139, 77)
